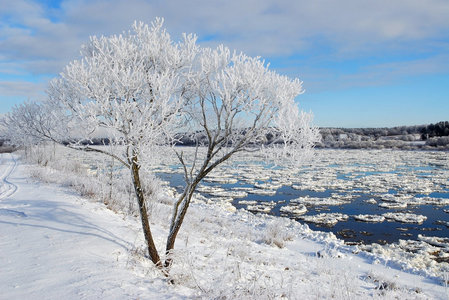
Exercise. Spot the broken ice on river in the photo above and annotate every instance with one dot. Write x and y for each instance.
(381, 196)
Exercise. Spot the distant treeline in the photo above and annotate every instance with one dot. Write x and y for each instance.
(432, 136)
(426, 131)
(432, 130)
(427, 137)
(376, 132)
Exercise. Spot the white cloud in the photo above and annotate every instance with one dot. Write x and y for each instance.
(43, 40)
(266, 26)
(21, 89)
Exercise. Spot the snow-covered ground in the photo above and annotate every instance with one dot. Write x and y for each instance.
(56, 244)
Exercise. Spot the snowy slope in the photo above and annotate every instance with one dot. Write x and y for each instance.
(55, 244)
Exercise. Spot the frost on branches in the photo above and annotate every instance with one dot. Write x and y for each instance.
(236, 101)
(141, 90)
(132, 85)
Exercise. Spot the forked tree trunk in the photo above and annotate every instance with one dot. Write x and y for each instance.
(154, 255)
(176, 225)
(184, 201)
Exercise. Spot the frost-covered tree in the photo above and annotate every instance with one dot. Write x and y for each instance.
(23, 122)
(32, 123)
(143, 89)
(132, 87)
(235, 100)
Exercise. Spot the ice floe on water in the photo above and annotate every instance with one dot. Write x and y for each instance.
(403, 200)
(369, 218)
(206, 189)
(268, 186)
(316, 201)
(229, 193)
(264, 207)
(309, 186)
(371, 201)
(429, 201)
(326, 219)
(296, 210)
(221, 179)
(393, 205)
(248, 202)
(405, 217)
(262, 192)
(440, 222)
(435, 241)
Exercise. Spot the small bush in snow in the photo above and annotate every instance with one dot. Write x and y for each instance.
(277, 234)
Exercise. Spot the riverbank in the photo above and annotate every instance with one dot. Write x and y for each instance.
(218, 253)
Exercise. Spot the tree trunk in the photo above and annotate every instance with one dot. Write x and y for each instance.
(152, 251)
(185, 199)
(174, 229)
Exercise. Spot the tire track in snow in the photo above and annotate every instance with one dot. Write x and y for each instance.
(8, 188)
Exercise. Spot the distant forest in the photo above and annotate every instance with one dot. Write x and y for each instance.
(425, 137)
(432, 136)
(438, 129)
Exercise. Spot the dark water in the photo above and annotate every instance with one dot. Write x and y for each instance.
(352, 231)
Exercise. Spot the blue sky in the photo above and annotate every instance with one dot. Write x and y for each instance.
(363, 63)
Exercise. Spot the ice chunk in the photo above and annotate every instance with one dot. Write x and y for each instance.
(299, 209)
(435, 241)
(262, 192)
(393, 205)
(319, 201)
(405, 217)
(370, 218)
(371, 201)
(329, 219)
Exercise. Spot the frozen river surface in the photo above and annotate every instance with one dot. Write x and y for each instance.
(365, 197)
(362, 196)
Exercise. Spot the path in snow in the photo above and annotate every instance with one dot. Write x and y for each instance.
(54, 245)
(8, 164)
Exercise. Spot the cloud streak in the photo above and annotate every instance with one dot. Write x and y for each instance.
(268, 28)
(315, 40)
(21, 88)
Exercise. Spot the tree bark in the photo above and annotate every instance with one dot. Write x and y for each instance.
(152, 250)
(186, 198)
(174, 229)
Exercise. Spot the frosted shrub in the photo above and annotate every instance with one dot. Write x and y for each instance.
(276, 233)
(438, 141)
(381, 284)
